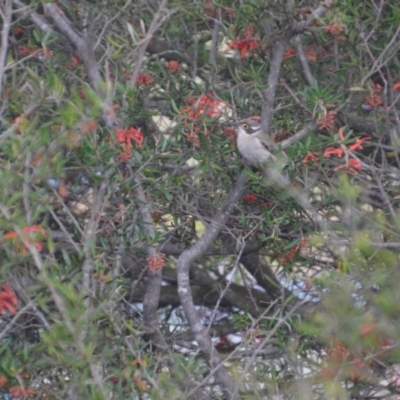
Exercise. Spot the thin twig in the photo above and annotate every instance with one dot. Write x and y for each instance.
(214, 41)
(26, 189)
(379, 62)
(68, 211)
(106, 25)
(277, 55)
(37, 19)
(282, 81)
(297, 136)
(142, 50)
(66, 233)
(303, 61)
(5, 13)
(250, 362)
(336, 53)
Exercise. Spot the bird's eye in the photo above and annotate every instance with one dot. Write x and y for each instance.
(245, 127)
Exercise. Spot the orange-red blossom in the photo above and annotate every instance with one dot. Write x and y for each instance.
(21, 392)
(352, 165)
(29, 232)
(245, 44)
(125, 137)
(8, 302)
(156, 262)
(206, 104)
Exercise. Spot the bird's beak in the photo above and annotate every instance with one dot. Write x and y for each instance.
(235, 124)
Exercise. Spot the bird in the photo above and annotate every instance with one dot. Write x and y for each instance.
(256, 148)
(252, 144)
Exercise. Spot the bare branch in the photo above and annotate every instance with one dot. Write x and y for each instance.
(34, 16)
(316, 14)
(273, 79)
(142, 50)
(152, 297)
(184, 264)
(278, 50)
(84, 48)
(91, 233)
(303, 61)
(297, 136)
(65, 26)
(214, 41)
(6, 13)
(393, 46)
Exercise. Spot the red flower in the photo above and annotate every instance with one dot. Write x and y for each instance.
(8, 301)
(310, 53)
(194, 138)
(358, 143)
(310, 157)
(341, 360)
(333, 29)
(352, 165)
(74, 61)
(156, 262)
(20, 391)
(204, 105)
(29, 232)
(89, 126)
(140, 383)
(327, 121)
(3, 381)
(287, 258)
(333, 151)
(289, 53)
(367, 329)
(24, 51)
(250, 198)
(246, 44)
(127, 135)
(144, 79)
(173, 66)
(373, 100)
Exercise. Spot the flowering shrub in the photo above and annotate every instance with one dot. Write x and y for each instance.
(245, 44)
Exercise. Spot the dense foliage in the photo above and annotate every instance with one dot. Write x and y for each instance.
(141, 257)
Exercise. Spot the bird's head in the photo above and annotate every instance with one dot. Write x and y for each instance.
(248, 126)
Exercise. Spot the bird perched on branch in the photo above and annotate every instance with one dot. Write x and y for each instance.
(256, 148)
(252, 144)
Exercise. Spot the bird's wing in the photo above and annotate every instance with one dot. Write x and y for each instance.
(265, 145)
(270, 147)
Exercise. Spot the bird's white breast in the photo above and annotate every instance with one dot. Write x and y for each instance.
(252, 150)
